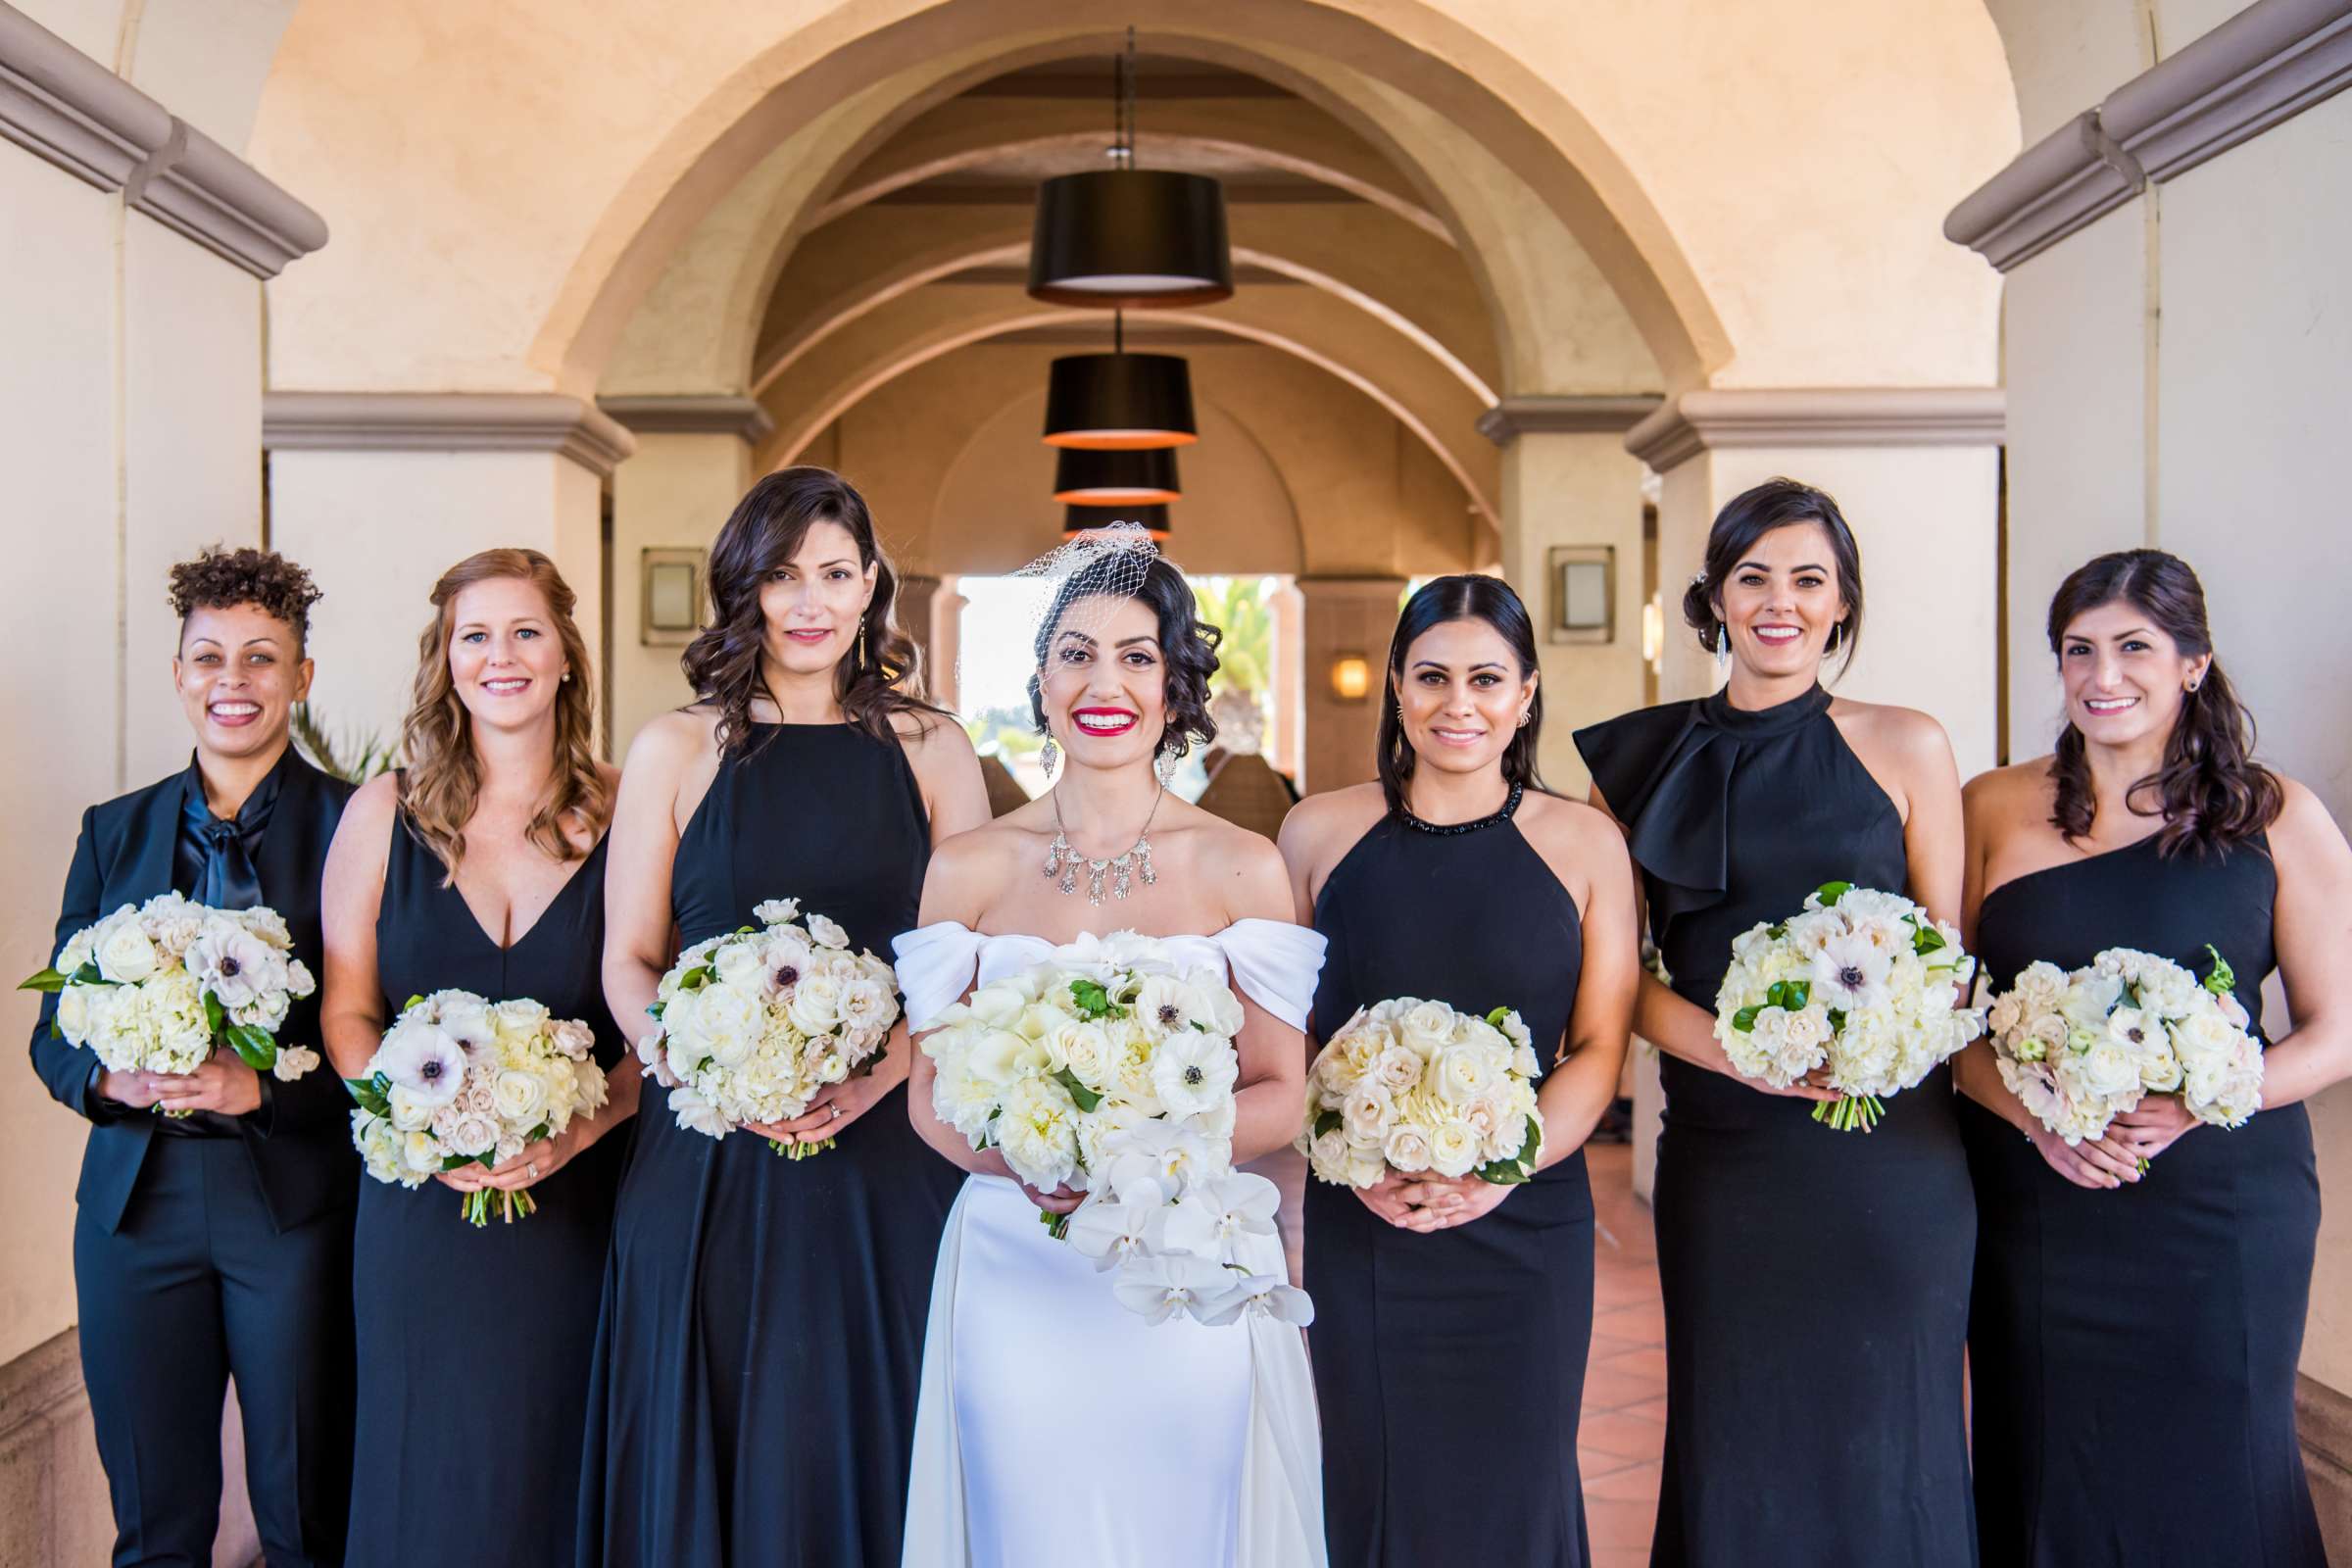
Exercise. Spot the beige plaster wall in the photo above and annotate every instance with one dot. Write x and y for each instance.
(377, 528)
(674, 492)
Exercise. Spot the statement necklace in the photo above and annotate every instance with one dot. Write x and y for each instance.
(1062, 861)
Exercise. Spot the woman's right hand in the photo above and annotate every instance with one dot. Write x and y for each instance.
(1813, 1085)
(1061, 1200)
(1384, 1198)
(2093, 1163)
(136, 1090)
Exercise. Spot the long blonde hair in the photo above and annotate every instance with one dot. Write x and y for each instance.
(444, 780)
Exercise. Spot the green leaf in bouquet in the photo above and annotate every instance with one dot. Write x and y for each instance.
(1837, 1021)
(370, 1095)
(1086, 1099)
(1093, 1001)
(653, 1011)
(1744, 1020)
(411, 1002)
(1776, 931)
(460, 1162)
(1328, 1121)
(216, 1016)
(1519, 1167)
(1498, 1016)
(46, 980)
(1926, 939)
(1831, 892)
(694, 978)
(2223, 979)
(254, 1046)
(537, 1133)
(1799, 993)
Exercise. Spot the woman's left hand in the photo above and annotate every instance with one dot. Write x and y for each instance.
(223, 1083)
(1435, 1202)
(529, 1166)
(2151, 1127)
(837, 1106)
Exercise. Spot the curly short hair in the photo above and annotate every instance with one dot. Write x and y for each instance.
(222, 579)
(1187, 643)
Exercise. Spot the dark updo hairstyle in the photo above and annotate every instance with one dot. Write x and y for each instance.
(223, 580)
(1747, 517)
(873, 682)
(2213, 794)
(1187, 645)
(1464, 597)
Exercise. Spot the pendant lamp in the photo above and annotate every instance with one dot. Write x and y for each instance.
(1120, 402)
(1152, 520)
(1128, 236)
(1084, 477)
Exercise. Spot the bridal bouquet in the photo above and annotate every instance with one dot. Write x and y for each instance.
(2080, 1050)
(1861, 981)
(1111, 1070)
(158, 987)
(460, 1080)
(1414, 1086)
(756, 1022)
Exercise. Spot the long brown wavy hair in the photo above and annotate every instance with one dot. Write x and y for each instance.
(877, 680)
(2212, 793)
(444, 780)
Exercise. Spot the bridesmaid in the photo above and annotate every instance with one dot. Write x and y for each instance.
(1815, 1282)
(2133, 1337)
(764, 1318)
(1455, 1316)
(216, 1244)
(479, 867)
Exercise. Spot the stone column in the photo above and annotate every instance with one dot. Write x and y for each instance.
(1569, 483)
(1344, 616)
(693, 463)
(378, 493)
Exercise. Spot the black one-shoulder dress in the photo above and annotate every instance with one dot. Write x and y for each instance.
(1815, 1281)
(2133, 1350)
(475, 1344)
(763, 1334)
(1469, 1341)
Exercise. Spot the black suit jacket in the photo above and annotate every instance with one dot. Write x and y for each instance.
(300, 1140)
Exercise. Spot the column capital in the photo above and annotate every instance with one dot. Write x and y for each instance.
(1695, 422)
(1569, 414)
(444, 422)
(692, 413)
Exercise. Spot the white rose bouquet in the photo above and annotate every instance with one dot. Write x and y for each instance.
(158, 987)
(1413, 1086)
(460, 1081)
(1109, 1069)
(1860, 981)
(2078, 1049)
(756, 1022)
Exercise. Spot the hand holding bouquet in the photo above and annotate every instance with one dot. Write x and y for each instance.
(158, 987)
(460, 1080)
(2078, 1049)
(1414, 1086)
(756, 1022)
(1109, 1071)
(1862, 982)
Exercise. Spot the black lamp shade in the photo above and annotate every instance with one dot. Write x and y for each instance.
(1152, 520)
(1120, 402)
(1133, 237)
(1090, 479)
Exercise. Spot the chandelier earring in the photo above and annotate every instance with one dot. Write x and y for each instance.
(1164, 766)
(1047, 755)
(1723, 645)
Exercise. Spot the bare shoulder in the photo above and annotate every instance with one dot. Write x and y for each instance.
(934, 742)
(2304, 827)
(668, 741)
(2003, 794)
(1321, 825)
(367, 814)
(1556, 824)
(984, 851)
(1903, 733)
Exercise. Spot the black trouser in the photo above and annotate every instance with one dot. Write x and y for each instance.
(196, 1286)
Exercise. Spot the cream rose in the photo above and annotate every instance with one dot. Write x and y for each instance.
(520, 1095)
(125, 955)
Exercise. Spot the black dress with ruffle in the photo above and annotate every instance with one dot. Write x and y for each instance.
(1816, 1282)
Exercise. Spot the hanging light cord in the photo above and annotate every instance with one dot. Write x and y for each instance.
(1122, 75)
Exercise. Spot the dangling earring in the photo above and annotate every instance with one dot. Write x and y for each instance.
(860, 665)
(1165, 764)
(1523, 716)
(1723, 645)
(1837, 636)
(1047, 755)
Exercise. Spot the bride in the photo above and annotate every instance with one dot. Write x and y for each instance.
(1057, 1427)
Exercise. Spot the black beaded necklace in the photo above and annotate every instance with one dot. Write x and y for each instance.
(1510, 804)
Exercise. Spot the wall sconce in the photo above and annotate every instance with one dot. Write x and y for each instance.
(1584, 594)
(1351, 677)
(670, 597)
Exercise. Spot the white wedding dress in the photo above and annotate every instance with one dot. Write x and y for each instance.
(1056, 1428)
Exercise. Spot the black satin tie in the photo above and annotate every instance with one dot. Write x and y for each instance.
(230, 881)
(217, 855)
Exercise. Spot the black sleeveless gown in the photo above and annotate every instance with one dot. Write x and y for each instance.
(1816, 1282)
(1468, 1341)
(469, 1436)
(2133, 1350)
(762, 1334)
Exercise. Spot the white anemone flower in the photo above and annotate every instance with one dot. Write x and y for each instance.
(425, 1060)
(1849, 974)
(1193, 1073)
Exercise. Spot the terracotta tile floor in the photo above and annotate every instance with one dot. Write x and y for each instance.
(1624, 1424)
